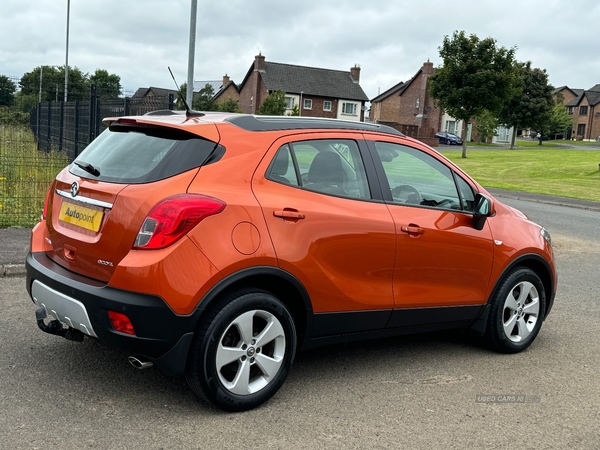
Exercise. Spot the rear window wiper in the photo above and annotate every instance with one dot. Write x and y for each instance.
(87, 167)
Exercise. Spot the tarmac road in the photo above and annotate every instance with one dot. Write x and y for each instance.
(409, 392)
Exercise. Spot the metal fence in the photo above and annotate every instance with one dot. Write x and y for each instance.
(35, 147)
(71, 126)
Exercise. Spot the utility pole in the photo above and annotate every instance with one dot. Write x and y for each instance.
(189, 96)
(67, 50)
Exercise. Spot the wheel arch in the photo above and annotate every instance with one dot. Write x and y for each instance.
(541, 267)
(274, 280)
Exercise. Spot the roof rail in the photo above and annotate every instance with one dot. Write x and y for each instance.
(274, 123)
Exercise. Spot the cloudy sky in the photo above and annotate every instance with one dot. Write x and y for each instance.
(138, 39)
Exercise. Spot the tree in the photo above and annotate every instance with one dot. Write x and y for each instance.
(560, 120)
(295, 111)
(274, 104)
(228, 106)
(476, 76)
(203, 100)
(108, 85)
(7, 91)
(531, 106)
(485, 124)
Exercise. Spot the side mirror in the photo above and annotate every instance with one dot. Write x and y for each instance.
(482, 209)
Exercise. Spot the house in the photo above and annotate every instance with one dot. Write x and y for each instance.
(585, 109)
(227, 91)
(317, 92)
(409, 107)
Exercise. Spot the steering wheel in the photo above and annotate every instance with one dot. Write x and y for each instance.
(413, 196)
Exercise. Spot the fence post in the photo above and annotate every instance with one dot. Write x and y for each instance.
(127, 106)
(98, 118)
(92, 124)
(38, 116)
(171, 101)
(48, 133)
(76, 138)
(61, 126)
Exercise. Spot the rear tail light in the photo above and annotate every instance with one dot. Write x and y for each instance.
(45, 212)
(173, 217)
(121, 322)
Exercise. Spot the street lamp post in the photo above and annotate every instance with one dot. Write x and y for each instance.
(67, 50)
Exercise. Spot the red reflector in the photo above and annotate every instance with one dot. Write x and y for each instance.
(127, 121)
(121, 322)
(45, 213)
(173, 217)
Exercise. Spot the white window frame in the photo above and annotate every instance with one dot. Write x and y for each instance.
(307, 101)
(349, 105)
(289, 102)
(325, 103)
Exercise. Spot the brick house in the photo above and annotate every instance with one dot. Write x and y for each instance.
(317, 92)
(585, 109)
(227, 91)
(409, 104)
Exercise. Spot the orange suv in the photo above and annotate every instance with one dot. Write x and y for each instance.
(214, 246)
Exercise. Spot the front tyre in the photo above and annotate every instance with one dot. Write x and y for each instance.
(516, 312)
(243, 351)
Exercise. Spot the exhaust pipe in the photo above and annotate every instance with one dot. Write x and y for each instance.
(139, 363)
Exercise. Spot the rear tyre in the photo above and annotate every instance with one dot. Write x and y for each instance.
(243, 351)
(516, 312)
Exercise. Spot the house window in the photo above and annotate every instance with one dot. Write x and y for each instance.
(581, 129)
(583, 110)
(570, 110)
(417, 102)
(451, 126)
(307, 103)
(349, 108)
(326, 105)
(289, 102)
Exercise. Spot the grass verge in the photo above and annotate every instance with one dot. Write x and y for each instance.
(564, 173)
(25, 174)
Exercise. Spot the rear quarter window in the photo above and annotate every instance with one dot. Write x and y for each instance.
(134, 155)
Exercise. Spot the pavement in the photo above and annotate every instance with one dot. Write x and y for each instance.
(14, 242)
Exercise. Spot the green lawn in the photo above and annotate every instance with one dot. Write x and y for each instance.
(565, 173)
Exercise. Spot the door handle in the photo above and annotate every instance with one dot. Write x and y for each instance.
(289, 213)
(412, 228)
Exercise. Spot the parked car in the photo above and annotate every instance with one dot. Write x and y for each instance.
(448, 138)
(215, 246)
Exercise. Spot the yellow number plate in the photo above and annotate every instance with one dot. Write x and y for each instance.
(83, 217)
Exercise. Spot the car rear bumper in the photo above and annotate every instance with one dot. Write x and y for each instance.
(83, 303)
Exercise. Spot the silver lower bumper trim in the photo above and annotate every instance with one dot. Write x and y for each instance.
(66, 309)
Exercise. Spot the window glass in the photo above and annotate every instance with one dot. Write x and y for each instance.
(282, 167)
(332, 166)
(416, 178)
(466, 193)
(289, 102)
(349, 108)
(326, 105)
(307, 103)
(137, 154)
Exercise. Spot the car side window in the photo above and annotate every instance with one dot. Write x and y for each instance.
(282, 167)
(328, 166)
(416, 178)
(466, 193)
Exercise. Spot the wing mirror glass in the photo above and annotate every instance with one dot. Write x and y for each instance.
(482, 209)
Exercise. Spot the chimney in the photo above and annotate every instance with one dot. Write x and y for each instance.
(259, 62)
(225, 79)
(428, 68)
(355, 73)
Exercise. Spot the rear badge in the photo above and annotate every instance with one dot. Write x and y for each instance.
(105, 263)
(74, 189)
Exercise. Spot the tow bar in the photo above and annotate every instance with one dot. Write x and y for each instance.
(55, 327)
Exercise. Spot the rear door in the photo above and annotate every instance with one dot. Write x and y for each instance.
(329, 229)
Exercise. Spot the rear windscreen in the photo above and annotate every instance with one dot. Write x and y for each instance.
(134, 154)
